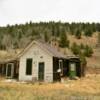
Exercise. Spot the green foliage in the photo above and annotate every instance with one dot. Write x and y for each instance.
(88, 32)
(78, 34)
(81, 50)
(75, 49)
(97, 27)
(83, 59)
(23, 33)
(88, 51)
(82, 46)
(63, 42)
(46, 37)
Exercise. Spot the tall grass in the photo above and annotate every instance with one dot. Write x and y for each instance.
(87, 87)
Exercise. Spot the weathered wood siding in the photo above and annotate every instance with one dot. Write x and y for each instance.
(38, 55)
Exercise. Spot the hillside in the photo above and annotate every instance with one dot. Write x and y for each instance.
(18, 36)
(92, 41)
(61, 35)
(93, 61)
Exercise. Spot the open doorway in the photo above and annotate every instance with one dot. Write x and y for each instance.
(10, 70)
(41, 71)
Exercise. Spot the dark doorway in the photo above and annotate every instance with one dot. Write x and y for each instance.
(10, 70)
(56, 74)
(29, 66)
(41, 71)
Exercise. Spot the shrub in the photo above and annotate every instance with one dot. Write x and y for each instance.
(64, 42)
(78, 34)
(88, 51)
(82, 46)
(75, 49)
(83, 59)
(88, 32)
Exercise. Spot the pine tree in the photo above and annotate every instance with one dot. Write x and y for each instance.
(82, 46)
(83, 59)
(46, 38)
(88, 32)
(75, 49)
(64, 42)
(83, 63)
(78, 34)
(88, 51)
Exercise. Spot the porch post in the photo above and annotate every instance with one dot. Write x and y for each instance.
(12, 70)
(1, 70)
(6, 70)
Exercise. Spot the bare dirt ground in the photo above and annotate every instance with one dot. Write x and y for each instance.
(87, 88)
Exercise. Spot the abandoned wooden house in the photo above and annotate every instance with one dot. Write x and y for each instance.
(39, 61)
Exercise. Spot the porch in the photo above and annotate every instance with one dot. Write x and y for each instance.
(9, 69)
(70, 67)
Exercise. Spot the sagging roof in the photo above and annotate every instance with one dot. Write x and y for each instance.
(44, 46)
(6, 56)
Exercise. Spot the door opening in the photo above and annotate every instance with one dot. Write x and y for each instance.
(72, 72)
(41, 71)
(10, 70)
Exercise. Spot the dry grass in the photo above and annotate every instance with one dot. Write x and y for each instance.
(84, 40)
(93, 61)
(86, 87)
